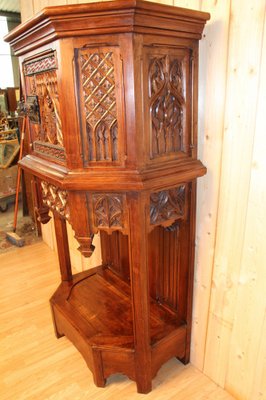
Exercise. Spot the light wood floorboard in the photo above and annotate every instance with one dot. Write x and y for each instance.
(34, 365)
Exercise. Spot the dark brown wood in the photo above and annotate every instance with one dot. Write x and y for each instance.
(111, 96)
(62, 247)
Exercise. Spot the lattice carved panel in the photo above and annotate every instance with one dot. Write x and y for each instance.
(55, 199)
(97, 78)
(167, 205)
(167, 101)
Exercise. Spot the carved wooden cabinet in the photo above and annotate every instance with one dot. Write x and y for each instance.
(111, 96)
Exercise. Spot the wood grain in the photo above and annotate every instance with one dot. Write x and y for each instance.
(126, 168)
(247, 346)
(239, 120)
(212, 85)
(213, 91)
(37, 367)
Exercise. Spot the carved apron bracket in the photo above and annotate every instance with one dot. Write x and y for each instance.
(108, 212)
(55, 199)
(80, 222)
(41, 210)
(168, 206)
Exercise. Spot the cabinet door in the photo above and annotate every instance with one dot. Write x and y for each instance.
(167, 103)
(100, 93)
(42, 99)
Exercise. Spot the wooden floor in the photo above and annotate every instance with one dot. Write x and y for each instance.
(37, 366)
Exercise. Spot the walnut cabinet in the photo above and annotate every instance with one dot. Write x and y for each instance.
(110, 94)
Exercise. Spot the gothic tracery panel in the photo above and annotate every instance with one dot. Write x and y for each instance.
(167, 102)
(41, 82)
(108, 210)
(97, 79)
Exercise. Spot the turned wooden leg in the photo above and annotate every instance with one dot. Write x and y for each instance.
(140, 291)
(62, 247)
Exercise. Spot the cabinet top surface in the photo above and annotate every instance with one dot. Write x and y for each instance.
(106, 17)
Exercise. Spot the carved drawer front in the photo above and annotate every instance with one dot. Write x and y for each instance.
(42, 103)
(166, 102)
(100, 88)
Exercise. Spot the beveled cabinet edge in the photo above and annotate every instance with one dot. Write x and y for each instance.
(127, 16)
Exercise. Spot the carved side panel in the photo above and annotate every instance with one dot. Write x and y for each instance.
(55, 199)
(41, 81)
(167, 102)
(100, 103)
(108, 211)
(168, 205)
(166, 92)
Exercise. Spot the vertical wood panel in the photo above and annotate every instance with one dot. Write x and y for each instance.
(249, 330)
(212, 85)
(27, 9)
(169, 2)
(258, 390)
(192, 4)
(40, 4)
(240, 113)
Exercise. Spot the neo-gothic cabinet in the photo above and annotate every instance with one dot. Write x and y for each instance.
(111, 101)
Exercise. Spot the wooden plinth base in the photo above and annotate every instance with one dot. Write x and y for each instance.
(94, 312)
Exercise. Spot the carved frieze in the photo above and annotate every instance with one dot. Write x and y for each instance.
(166, 93)
(51, 151)
(55, 199)
(98, 86)
(167, 205)
(42, 64)
(108, 210)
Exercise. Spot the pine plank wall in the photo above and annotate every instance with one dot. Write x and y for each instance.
(229, 323)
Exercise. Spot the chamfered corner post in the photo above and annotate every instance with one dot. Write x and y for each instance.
(139, 273)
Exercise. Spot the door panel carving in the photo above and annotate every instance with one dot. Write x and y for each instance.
(166, 79)
(41, 81)
(100, 97)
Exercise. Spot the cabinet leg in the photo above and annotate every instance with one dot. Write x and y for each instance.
(139, 275)
(62, 248)
(58, 334)
(98, 375)
(185, 360)
(144, 387)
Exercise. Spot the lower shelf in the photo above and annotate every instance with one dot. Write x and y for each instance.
(94, 312)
